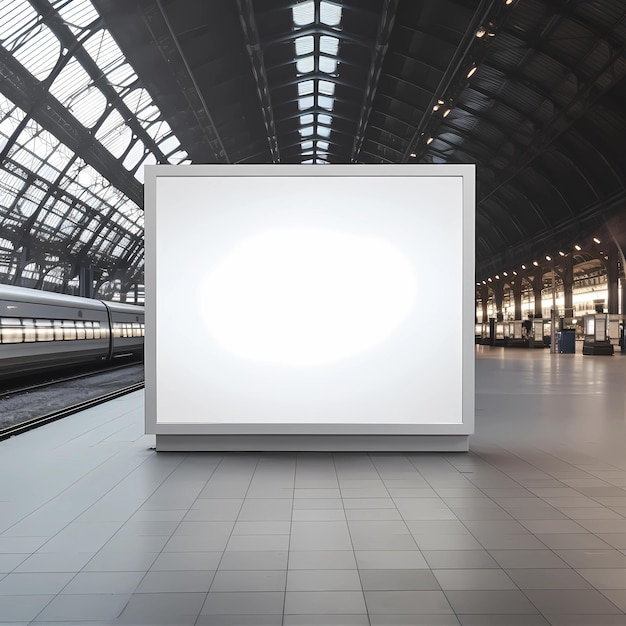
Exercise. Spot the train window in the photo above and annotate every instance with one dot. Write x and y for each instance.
(44, 330)
(88, 330)
(30, 334)
(80, 330)
(97, 332)
(143, 330)
(117, 330)
(69, 330)
(58, 330)
(136, 329)
(11, 329)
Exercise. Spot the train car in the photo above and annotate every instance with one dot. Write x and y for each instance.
(40, 330)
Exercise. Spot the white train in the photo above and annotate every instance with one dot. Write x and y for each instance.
(40, 330)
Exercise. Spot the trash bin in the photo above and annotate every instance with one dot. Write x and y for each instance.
(566, 341)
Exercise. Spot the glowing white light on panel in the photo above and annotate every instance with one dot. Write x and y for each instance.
(306, 119)
(305, 45)
(326, 87)
(303, 13)
(325, 102)
(325, 119)
(305, 87)
(307, 131)
(307, 297)
(327, 65)
(330, 14)
(306, 103)
(305, 64)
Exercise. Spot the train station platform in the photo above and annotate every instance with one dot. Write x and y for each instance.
(527, 529)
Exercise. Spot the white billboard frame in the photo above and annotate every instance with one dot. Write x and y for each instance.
(181, 435)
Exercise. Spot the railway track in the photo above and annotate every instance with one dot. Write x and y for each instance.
(29, 406)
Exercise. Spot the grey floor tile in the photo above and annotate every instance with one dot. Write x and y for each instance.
(244, 603)
(254, 560)
(9, 562)
(615, 540)
(606, 578)
(104, 582)
(490, 602)
(390, 559)
(414, 620)
(251, 543)
(552, 526)
(503, 620)
(33, 583)
(444, 527)
(191, 543)
(71, 608)
(569, 619)
(533, 559)
(129, 561)
(54, 562)
(593, 559)
(265, 509)
(573, 541)
(22, 608)
(324, 602)
(254, 580)
(318, 515)
(304, 504)
(578, 601)
(323, 560)
(398, 580)
(181, 582)
(186, 561)
(512, 542)
(548, 579)
(323, 580)
(367, 541)
(599, 526)
(240, 620)
(148, 609)
(372, 514)
(326, 620)
(320, 536)
(406, 602)
(447, 542)
(473, 579)
(459, 559)
(21, 545)
(369, 503)
(617, 597)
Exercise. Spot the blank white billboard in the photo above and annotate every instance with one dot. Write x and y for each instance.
(321, 300)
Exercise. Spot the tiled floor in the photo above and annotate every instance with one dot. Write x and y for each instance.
(528, 529)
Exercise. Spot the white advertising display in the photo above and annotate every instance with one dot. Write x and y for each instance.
(305, 301)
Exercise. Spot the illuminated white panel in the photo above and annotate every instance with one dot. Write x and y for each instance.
(308, 317)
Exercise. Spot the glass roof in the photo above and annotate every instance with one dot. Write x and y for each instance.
(47, 192)
(315, 52)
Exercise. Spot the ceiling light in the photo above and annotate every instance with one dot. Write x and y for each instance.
(577, 247)
(481, 32)
(596, 240)
(535, 264)
(472, 71)
(429, 140)
(523, 266)
(447, 112)
(508, 2)
(330, 14)
(548, 257)
(440, 102)
(504, 273)
(497, 276)
(413, 154)
(514, 273)
(484, 282)
(436, 107)
(562, 253)
(489, 279)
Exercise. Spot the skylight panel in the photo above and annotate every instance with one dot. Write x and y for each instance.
(307, 119)
(330, 14)
(305, 45)
(305, 64)
(329, 45)
(307, 162)
(79, 13)
(326, 87)
(70, 82)
(307, 131)
(322, 145)
(305, 87)
(88, 106)
(306, 145)
(327, 65)
(114, 134)
(16, 17)
(325, 119)
(325, 102)
(38, 52)
(323, 131)
(303, 13)
(306, 103)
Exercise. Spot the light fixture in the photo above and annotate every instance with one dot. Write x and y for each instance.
(481, 32)
(548, 257)
(535, 264)
(562, 253)
(577, 247)
(523, 266)
(447, 112)
(596, 240)
(514, 273)
(440, 102)
(489, 279)
(436, 107)
(484, 282)
(497, 276)
(413, 154)
(429, 140)
(504, 273)
(508, 2)
(472, 71)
